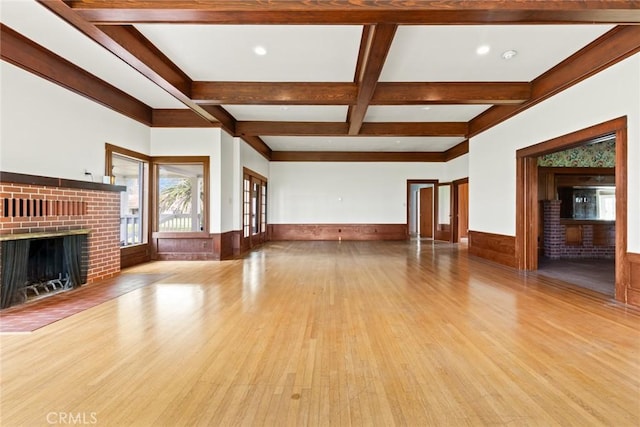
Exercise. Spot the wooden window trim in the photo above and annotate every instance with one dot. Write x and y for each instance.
(162, 160)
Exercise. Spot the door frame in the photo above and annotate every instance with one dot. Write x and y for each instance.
(527, 211)
(433, 182)
(254, 239)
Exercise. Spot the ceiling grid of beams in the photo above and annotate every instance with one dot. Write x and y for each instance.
(113, 25)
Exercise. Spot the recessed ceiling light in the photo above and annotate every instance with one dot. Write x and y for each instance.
(483, 50)
(284, 108)
(509, 54)
(260, 50)
(397, 141)
(426, 108)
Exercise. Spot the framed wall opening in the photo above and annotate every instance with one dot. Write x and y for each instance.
(527, 205)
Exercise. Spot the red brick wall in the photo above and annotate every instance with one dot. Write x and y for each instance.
(65, 209)
(554, 237)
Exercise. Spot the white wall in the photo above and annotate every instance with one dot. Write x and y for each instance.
(50, 131)
(325, 193)
(227, 182)
(253, 160)
(456, 169)
(195, 142)
(612, 93)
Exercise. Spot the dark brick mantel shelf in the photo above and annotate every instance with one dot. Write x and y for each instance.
(20, 178)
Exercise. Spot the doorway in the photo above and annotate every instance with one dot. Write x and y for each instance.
(461, 209)
(527, 194)
(254, 210)
(421, 206)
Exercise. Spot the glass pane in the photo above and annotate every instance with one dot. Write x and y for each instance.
(132, 174)
(181, 197)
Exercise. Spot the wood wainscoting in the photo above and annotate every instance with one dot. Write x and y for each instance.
(194, 246)
(494, 247)
(134, 255)
(632, 279)
(338, 232)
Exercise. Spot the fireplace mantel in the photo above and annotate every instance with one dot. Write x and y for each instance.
(43, 234)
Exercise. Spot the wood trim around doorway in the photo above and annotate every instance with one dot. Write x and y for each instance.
(526, 245)
(410, 182)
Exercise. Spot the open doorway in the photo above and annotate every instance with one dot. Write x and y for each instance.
(576, 193)
(421, 206)
(532, 222)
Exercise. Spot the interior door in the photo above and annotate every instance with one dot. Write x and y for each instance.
(463, 210)
(254, 210)
(443, 223)
(426, 212)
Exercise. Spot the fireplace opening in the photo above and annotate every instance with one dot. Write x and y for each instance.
(40, 267)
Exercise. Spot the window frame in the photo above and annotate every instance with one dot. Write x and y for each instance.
(158, 161)
(110, 150)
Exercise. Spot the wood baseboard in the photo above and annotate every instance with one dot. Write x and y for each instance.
(493, 247)
(338, 231)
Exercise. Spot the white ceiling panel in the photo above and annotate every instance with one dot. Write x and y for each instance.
(423, 113)
(289, 113)
(360, 143)
(37, 23)
(448, 53)
(294, 53)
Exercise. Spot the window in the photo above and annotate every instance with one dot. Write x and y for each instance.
(181, 186)
(131, 170)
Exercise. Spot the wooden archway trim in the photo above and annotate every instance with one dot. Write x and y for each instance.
(527, 194)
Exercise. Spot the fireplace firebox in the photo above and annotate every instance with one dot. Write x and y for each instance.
(35, 266)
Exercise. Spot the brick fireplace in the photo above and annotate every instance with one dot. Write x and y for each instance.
(36, 206)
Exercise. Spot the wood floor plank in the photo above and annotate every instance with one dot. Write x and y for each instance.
(333, 333)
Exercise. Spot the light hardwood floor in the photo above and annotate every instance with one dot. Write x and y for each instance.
(328, 333)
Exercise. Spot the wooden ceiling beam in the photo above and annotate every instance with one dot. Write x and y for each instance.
(356, 156)
(180, 118)
(616, 45)
(378, 45)
(26, 54)
(359, 12)
(385, 93)
(414, 129)
(139, 46)
(442, 129)
(457, 151)
(274, 93)
(134, 49)
(418, 93)
(292, 128)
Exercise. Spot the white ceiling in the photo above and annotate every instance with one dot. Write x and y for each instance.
(317, 53)
(295, 53)
(448, 53)
(286, 113)
(423, 113)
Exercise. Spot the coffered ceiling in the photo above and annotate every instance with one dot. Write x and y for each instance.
(322, 80)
